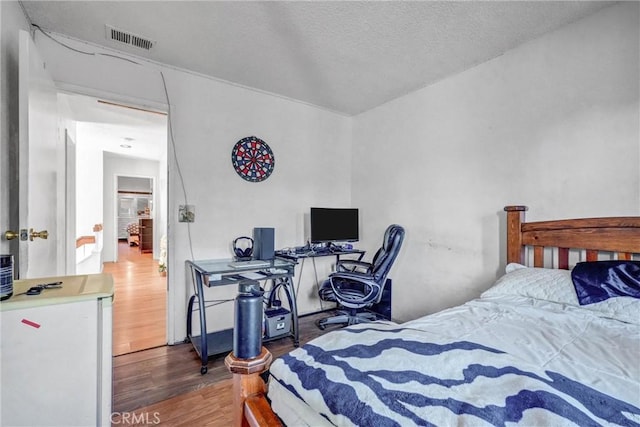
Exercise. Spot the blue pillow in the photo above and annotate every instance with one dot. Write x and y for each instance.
(600, 280)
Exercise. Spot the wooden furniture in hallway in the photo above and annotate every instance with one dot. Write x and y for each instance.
(140, 302)
(146, 235)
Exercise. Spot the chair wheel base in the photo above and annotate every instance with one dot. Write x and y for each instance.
(346, 319)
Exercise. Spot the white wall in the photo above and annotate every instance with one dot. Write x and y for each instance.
(134, 184)
(161, 202)
(208, 117)
(67, 135)
(89, 182)
(311, 149)
(552, 124)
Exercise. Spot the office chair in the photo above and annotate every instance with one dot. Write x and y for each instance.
(357, 285)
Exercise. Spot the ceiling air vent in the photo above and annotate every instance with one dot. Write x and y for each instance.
(128, 38)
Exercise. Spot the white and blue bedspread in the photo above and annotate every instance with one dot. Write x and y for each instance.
(493, 361)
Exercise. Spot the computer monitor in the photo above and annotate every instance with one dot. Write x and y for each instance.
(334, 225)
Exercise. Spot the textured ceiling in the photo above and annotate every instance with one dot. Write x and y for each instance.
(344, 56)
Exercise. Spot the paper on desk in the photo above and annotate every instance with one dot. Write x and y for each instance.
(252, 276)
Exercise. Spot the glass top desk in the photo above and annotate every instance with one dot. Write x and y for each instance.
(219, 272)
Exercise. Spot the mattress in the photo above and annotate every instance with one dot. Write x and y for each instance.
(505, 358)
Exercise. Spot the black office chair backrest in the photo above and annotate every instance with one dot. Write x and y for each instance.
(386, 255)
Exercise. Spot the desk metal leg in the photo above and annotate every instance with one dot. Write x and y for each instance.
(190, 315)
(300, 276)
(315, 273)
(291, 297)
(204, 350)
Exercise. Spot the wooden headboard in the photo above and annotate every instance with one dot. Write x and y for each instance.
(615, 237)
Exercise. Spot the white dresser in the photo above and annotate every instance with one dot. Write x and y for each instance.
(56, 353)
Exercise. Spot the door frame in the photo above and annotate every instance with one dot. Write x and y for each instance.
(69, 197)
(160, 107)
(39, 196)
(154, 195)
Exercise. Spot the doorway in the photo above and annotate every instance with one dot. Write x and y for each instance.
(135, 214)
(121, 150)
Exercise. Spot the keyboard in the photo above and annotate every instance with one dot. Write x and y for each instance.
(256, 263)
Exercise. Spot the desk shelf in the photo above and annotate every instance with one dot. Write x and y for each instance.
(234, 279)
(225, 281)
(217, 343)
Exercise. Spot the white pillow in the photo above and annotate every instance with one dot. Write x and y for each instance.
(556, 286)
(539, 283)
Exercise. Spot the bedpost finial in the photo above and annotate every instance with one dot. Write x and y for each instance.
(515, 208)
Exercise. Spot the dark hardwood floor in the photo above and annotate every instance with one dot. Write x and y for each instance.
(160, 379)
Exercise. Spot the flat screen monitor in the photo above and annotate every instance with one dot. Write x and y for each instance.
(334, 225)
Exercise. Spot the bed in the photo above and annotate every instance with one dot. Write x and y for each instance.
(543, 346)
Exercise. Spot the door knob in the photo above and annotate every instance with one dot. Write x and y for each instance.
(41, 234)
(10, 235)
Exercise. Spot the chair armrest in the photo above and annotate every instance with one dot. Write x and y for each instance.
(353, 265)
(352, 275)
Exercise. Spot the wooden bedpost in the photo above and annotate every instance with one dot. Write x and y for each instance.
(250, 404)
(515, 218)
(249, 359)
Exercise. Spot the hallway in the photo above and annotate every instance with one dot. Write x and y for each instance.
(139, 308)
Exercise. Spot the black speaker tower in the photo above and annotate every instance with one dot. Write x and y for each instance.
(264, 243)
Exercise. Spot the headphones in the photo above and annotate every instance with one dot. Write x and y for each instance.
(243, 252)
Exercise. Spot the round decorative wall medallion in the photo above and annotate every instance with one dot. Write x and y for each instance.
(252, 159)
